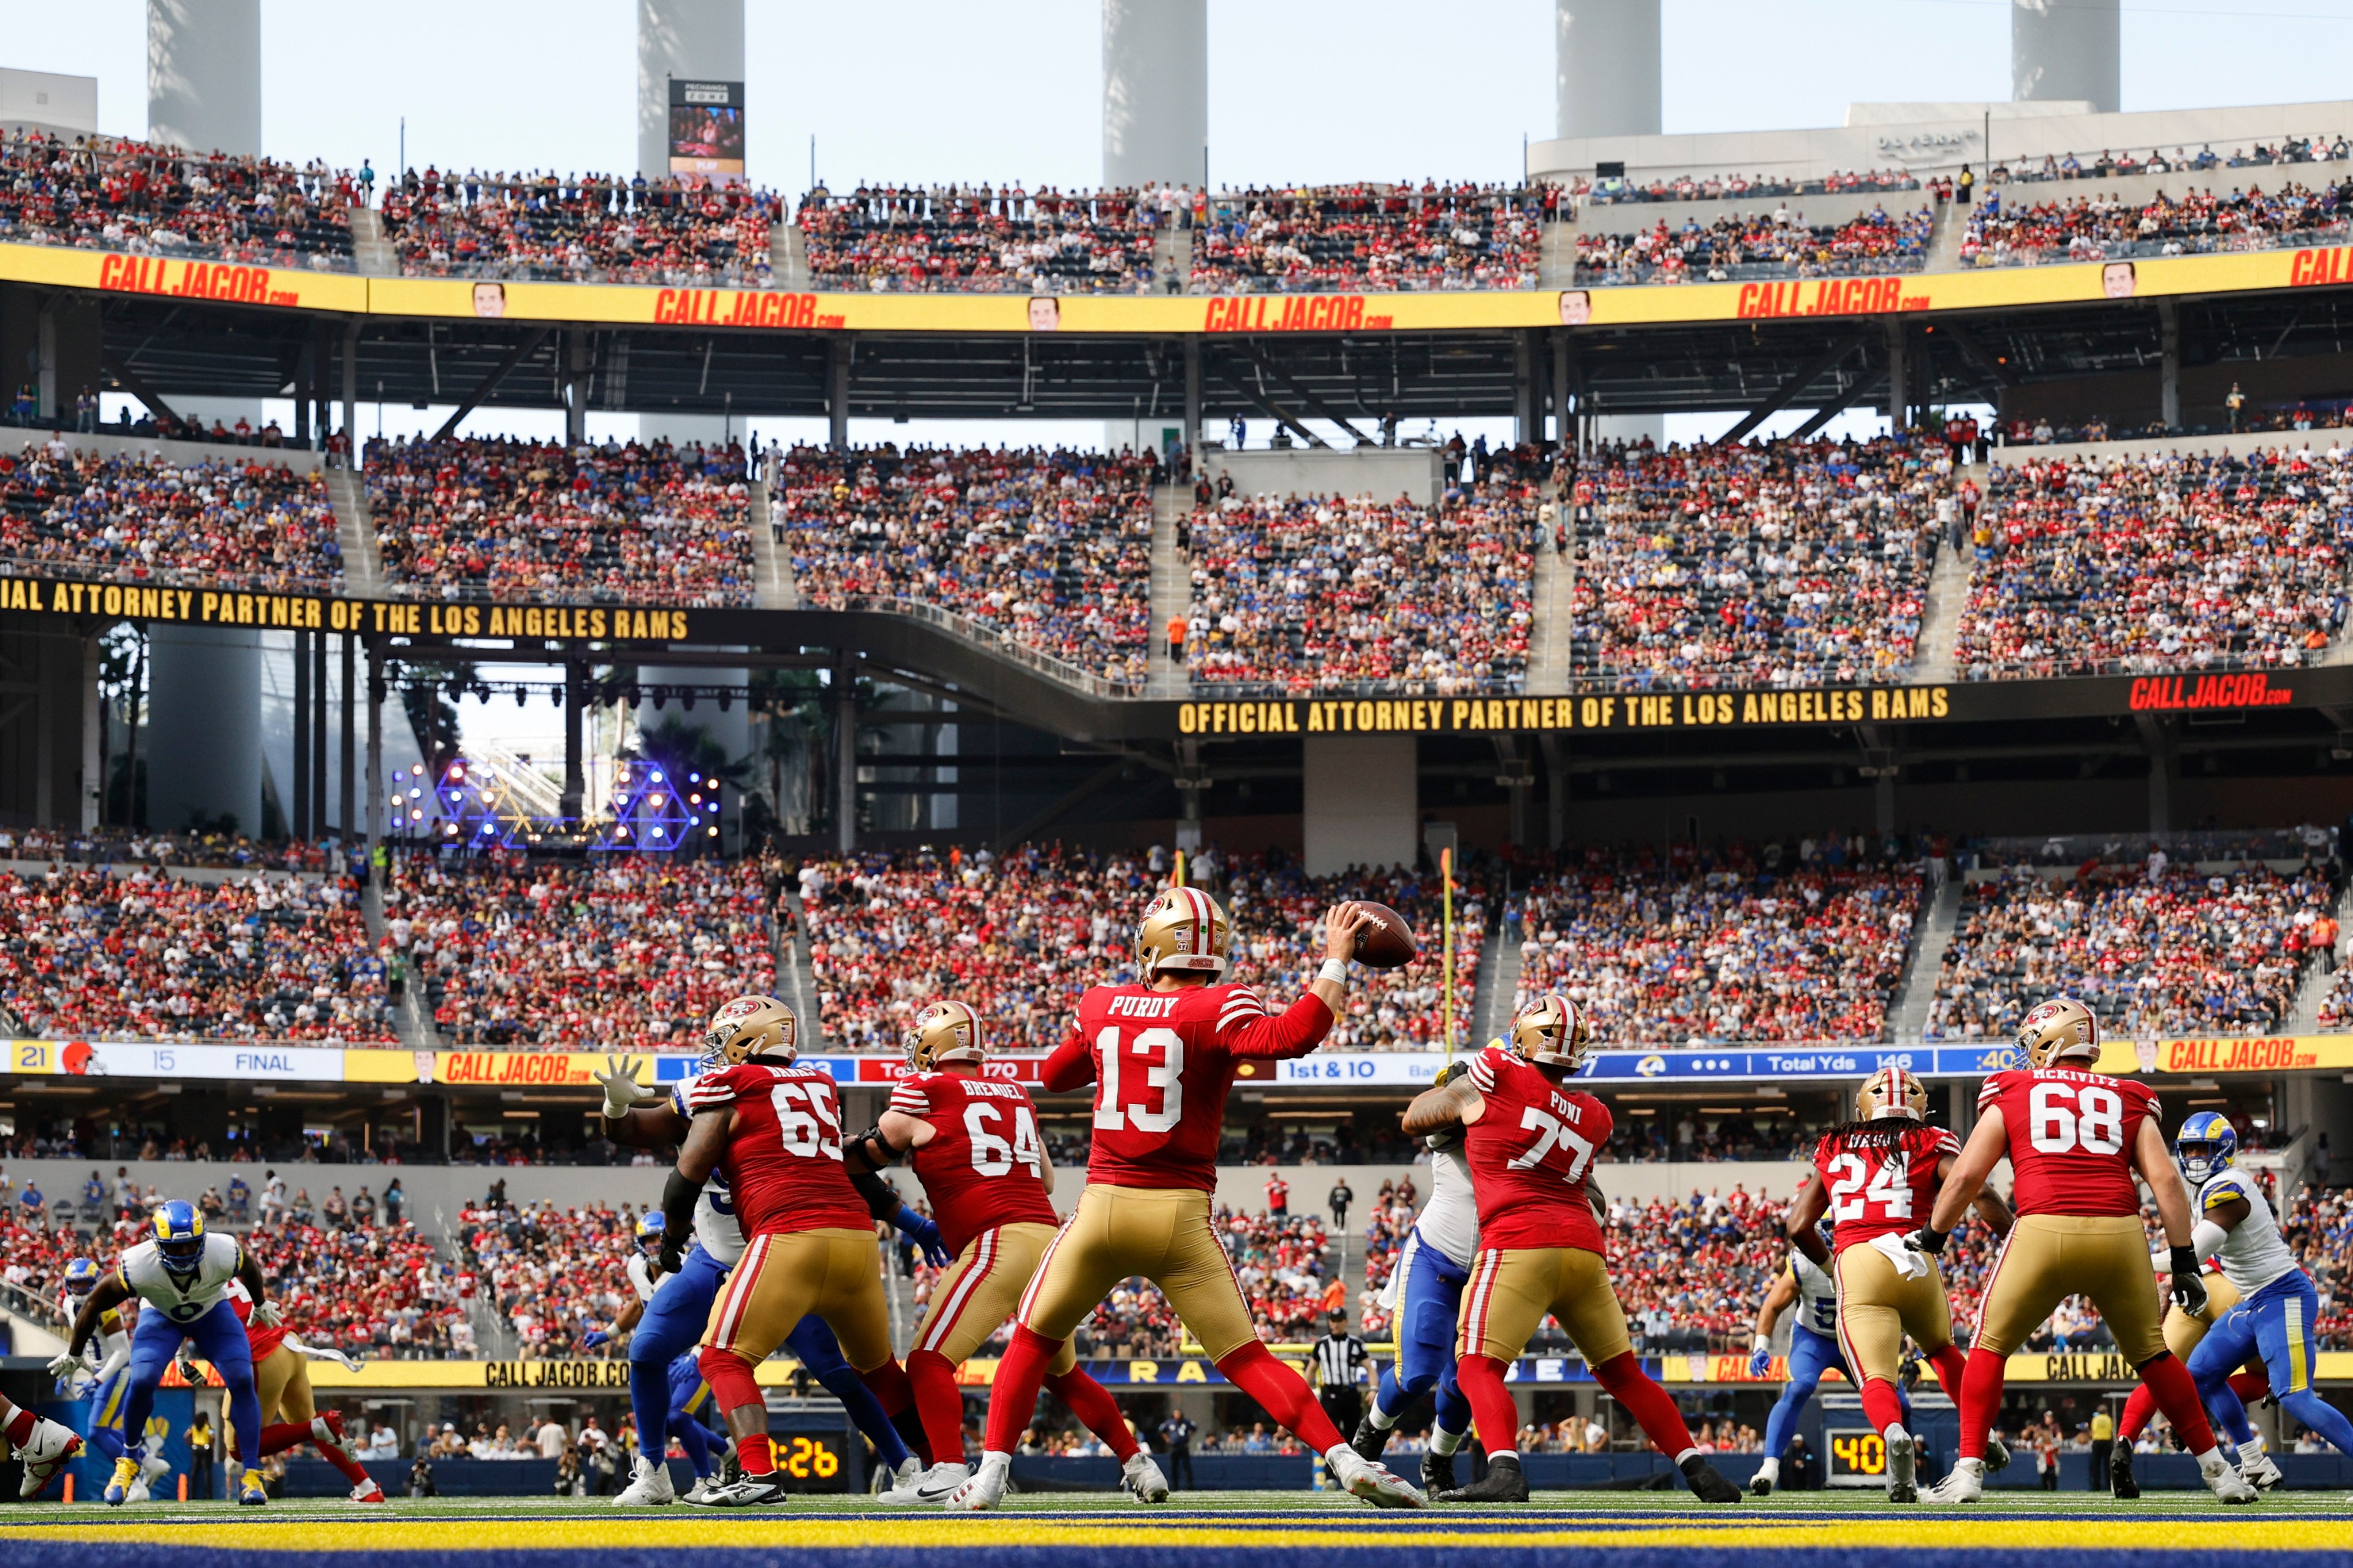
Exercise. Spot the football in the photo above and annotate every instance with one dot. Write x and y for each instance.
(1388, 943)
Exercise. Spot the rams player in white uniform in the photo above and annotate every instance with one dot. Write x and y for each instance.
(1424, 1296)
(181, 1277)
(2277, 1301)
(1813, 1351)
(103, 1381)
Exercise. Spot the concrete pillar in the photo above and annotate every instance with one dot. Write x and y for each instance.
(1193, 398)
(1883, 800)
(575, 385)
(699, 40)
(2169, 370)
(2063, 49)
(1899, 381)
(204, 75)
(845, 725)
(203, 726)
(44, 381)
(575, 782)
(1191, 782)
(376, 780)
(351, 358)
(838, 350)
(1156, 92)
(1606, 68)
(318, 734)
(92, 771)
(1363, 802)
(346, 801)
(299, 826)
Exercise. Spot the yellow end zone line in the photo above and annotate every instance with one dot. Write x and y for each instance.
(462, 1535)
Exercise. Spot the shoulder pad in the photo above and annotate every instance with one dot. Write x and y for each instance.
(2221, 1188)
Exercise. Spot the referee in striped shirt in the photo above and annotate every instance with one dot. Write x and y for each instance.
(1341, 1362)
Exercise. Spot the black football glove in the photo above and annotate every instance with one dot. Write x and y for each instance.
(2188, 1290)
(1927, 1239)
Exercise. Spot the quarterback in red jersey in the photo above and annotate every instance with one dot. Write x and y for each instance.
(1530, 1140)
(775, 1131)
(973, 1143)
(2073, 1137)
(1875, 1177)
(1162, 1057)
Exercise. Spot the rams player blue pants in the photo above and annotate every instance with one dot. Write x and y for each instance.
(1430, 1299)
(2276, 1321)
(673, 1323)
(1810, 1355)
(690, 1397)
(220, 1339)
(106, 1405)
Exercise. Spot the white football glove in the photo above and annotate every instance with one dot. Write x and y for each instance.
(64, 1364)
(620, 1088)
(265, 1315)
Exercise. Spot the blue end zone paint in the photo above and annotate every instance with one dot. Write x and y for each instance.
(1243, 1555)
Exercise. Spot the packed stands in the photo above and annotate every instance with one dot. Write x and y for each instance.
(1051, 549)
(147, 956)
(1617, 189)
(1371, 236)
(2157, 560)
(1779, 244)
(372, 1291)
(1770, 564)
(624, 953)
(2154, 952)
(1329, 594)
(1019, 938)
(982, 239)
(648, 523)
(584, 229)
(230, 521)
(1696, 946)
(553, 1274)
(113, 194)
(2020, 232)
(2318, 1225)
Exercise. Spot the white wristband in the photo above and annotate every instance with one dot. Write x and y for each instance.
(1335, 970)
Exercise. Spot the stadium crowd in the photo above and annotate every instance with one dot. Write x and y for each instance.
(648, 522)
(2157, 560)
(1606, 192)
(1387, 237)
(980, 239)
(553, 1274)
(2158, 952)
(2022, 233)
(624, 953)
(1755, 245)
(1329, 594)
(145, 955)
(234, 522)
(1050, 548)
(115, 193)
(374, 1291)
(1698, 946)
(580, 228)
(1019, 938)
(1773, 563)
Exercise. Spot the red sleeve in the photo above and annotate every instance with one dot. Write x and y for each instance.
(1070, 1066)
(1299, 1030)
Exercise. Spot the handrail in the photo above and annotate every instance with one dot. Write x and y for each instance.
(965, 626)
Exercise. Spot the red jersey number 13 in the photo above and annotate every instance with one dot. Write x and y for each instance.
(1150, 1098)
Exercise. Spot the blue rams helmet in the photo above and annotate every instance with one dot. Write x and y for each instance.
(180, 1236)
(2204, 1147)
(82, 1277)
(649, 1230)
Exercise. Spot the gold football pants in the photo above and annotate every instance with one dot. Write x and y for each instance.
(1160, 1233)
(1512, 1288)
(786, 1276)
(2048, 1257)
(982, 1288)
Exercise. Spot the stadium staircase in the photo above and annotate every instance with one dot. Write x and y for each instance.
(2304, 1015)
(1940, 616)
(1945, 240)
(355, 533)
(788, 256)
(772, 566)
(1172, 259)
(372, 253)
(1499, 987)
(1556, 260)
(1172, 588)
(1549, 644)
(1917, 987)
(794, 968)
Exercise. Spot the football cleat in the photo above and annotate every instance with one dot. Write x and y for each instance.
(910, 1470)
(368, 1491)
(930, 1486)
(2122, 1482)
(649, 1486)
(1964, 1483)
(1903, 1470)
(698, 1491)
(1760, 1485)
(1369, 1441)
(752, 1491)
(328, 1428)
(1504, 1482)
(2261, 1473)
(1707, 1483)
(126, 1475)
(139, 1493)
(250, 1492)
(1374, 1483)
(1437, 1472)
(1142, 1479)
(984, 1488)
(1997, 1454)
(151, 1470)
(2224, 1482)
(52, 1448)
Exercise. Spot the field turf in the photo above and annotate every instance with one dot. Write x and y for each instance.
(1200, 1530)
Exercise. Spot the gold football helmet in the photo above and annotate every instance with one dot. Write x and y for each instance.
(1551, 1031)
(944, 1032)
(2060, 1027)
(751, 1026)
(1183, 929)
(1892, 1090)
